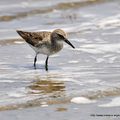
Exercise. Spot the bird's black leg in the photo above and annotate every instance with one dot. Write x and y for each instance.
(46, 63)
(35, 59)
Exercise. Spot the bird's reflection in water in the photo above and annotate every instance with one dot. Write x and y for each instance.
(48, 87)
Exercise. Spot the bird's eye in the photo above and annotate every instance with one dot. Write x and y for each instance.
(61, 36)
(30, 35)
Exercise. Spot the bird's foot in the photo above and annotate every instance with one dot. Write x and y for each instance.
(46, 67)
(35, 67)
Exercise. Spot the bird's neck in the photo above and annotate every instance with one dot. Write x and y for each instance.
(56, 44)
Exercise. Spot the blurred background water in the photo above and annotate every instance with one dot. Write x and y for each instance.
(91, 71)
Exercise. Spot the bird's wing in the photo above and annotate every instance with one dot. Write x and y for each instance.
(34, 38)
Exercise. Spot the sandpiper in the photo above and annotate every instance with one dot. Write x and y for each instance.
(45, 42)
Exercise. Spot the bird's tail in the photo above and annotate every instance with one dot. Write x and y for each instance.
(27, 36)
(22, 34)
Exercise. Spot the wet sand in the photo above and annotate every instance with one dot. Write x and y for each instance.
(62, 112)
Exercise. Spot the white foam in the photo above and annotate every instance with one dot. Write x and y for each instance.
(75, 108)
(41, 62)
(114, 103)
(112, 59)
(106, 22)
(112, 33)
(44, 104)
(99, 60)
(82, 100)
(92, 81)
(19, 42)
(73, 61)
(29, 56)
(16, 95)
(7, 81)
(111, 21)
(100, 48)
(55, 55)
(88, 15)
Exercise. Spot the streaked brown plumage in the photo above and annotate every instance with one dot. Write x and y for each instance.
(44, 42)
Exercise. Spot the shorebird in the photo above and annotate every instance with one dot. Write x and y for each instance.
(47, 43)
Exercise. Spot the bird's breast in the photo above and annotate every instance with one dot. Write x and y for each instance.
(56, 47)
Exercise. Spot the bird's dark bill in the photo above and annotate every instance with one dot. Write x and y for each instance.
(69, 43)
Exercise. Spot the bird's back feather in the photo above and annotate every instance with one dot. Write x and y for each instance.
(34, 38)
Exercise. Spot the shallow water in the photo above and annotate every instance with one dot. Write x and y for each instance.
(91, 77)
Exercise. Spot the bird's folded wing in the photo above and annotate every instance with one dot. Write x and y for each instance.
(34, 38)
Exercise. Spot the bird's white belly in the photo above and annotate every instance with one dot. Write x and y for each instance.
(45, 50)
(42, 50)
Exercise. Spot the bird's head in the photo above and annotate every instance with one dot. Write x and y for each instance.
(60, 36)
